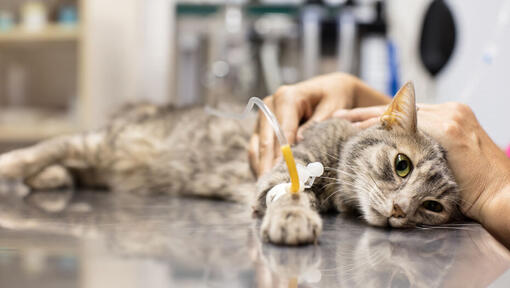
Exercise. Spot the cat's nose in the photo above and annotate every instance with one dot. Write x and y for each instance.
(397, 212)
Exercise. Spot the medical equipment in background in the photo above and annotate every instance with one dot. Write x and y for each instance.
(214, 58)
(272, 30)
(438, 37)
(192, 50)
(250, 48)
(311, 21)
(347, 31)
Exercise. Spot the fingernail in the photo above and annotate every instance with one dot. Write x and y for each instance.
(300, 136)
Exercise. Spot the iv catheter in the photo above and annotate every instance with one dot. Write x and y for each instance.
(300, 176)
(284, 145)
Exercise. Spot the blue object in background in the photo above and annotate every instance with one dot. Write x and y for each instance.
(6, 20)
(68, 15)
(394, 82)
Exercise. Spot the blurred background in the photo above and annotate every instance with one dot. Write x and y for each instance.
(66, 65)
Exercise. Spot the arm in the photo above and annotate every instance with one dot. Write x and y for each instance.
(495, 216)
(480, 167)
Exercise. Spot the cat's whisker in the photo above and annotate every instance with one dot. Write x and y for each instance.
(376, 196)
(378, 190)
(332, 194)
(329, 178)
(329, 184)
(376, 199)
(444, 227)
(353, 176)
(460, 224)
(332, 156)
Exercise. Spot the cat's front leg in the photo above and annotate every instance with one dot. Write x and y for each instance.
(291, 220)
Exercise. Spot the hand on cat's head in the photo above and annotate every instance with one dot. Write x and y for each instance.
(398, 174)
(471, 152)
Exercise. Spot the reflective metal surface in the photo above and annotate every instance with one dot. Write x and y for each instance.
(99, 239)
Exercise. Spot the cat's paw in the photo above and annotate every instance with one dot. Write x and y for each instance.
(51, 177)
(291, 225)
(11, 166)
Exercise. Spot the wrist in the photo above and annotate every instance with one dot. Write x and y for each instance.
(494, 214)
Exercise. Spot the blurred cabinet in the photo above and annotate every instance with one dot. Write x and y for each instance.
(40, 70)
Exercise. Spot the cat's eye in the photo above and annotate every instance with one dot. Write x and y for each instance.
(403, 165)
(433, 206)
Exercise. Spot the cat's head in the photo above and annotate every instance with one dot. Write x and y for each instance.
(398, 175)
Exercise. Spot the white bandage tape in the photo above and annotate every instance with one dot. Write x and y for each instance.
(277, 192)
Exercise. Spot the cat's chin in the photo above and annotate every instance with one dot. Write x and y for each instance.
(399, 223)
(376, 219)
(381, 221)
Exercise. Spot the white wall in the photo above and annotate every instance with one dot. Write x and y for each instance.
(126, 54)
(158, 19)
(465, 78)
(468, 78)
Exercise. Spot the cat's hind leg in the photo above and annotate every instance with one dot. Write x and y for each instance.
(35, 165)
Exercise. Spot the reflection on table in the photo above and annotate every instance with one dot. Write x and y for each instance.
(101, 239)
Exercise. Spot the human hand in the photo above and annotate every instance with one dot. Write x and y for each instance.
(309, 101)
(480, 167)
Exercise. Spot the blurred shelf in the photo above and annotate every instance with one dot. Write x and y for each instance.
(52, 32)
(26, 125)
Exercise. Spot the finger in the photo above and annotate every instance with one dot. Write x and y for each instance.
(266, 140)
(322, 111)
(253, 153)
(288, 115)
(430, 122)
(360, 114)
(367, 123)
(424, 106)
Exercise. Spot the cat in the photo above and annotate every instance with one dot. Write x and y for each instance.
(391, 174)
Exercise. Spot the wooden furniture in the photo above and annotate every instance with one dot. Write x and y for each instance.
(45, 69)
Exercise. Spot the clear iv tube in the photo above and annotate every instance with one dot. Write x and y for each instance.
(284, 145)
(262, 106)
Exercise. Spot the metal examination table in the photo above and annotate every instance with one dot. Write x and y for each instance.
(101, 239)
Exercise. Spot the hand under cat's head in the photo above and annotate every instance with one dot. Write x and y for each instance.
(397, 175)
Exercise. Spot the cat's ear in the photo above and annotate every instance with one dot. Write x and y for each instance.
(401, 113)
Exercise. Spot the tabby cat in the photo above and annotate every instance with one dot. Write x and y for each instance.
(392, 174)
